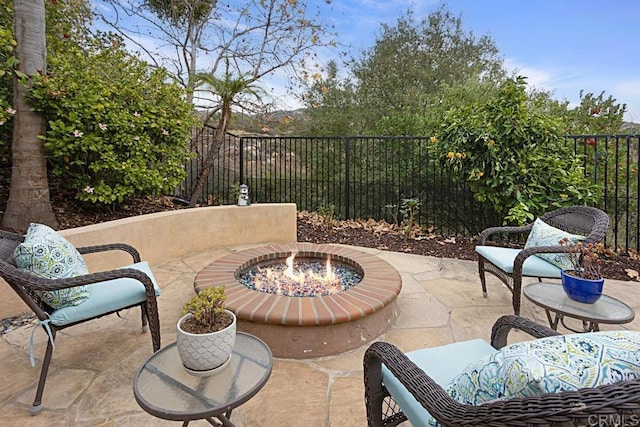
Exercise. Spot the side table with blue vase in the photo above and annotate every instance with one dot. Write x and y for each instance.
(583, 290)
(553, 298)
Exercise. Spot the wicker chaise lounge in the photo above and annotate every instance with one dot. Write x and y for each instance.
(110, 292)
(510, 264)
(613, 404)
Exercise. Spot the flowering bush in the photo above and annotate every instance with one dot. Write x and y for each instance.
(584, 258)
(117, 128)
(7, 64)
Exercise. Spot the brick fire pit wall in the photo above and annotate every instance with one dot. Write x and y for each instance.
(307, 327)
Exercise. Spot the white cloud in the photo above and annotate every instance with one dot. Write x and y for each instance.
(565, 84)
(536, 77)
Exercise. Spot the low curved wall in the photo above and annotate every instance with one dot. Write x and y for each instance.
(170, 235)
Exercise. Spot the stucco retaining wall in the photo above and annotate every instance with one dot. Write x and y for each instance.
(169, 235)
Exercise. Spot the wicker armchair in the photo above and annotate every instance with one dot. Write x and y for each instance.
(24, 284)
(586, 221)
(615, 404)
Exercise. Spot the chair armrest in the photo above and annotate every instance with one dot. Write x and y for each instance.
(112, 247)
(486, 233)
(430, 395)
(533, 250)
(34, 282)
(505, 324)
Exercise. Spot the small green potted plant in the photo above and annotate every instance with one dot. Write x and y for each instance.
(206, 332)
(585, 282)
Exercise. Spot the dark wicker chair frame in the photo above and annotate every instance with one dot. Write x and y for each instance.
(590, 222)
(24, 285)
(615, 404)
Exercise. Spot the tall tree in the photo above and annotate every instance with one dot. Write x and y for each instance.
(255, 38)
(330, 102)
(233, 42)
(230, 89)
(187, 21)
(410, 65)
(29, 190)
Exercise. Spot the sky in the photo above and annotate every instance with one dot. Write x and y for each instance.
(563, 46)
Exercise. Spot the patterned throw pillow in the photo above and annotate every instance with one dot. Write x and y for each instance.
(46, 254)
(550, 365)
(542, 234)
(480, 382)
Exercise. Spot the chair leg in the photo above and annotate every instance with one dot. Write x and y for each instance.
(483, 280)
(37, 402)
(145, 317)
(517, 293)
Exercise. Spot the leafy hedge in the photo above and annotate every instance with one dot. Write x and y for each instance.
(116, 127)
(513, 156)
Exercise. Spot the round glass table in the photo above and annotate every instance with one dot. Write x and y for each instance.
(552, 298)
(163, 388)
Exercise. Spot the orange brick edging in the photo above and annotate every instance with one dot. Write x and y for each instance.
(301, 327)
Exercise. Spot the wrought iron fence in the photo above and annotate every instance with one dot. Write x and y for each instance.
(612, 162)
(371, 177)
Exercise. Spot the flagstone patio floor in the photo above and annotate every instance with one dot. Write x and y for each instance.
(90, 379)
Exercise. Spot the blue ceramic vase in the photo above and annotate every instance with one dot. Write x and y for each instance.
(582, 290)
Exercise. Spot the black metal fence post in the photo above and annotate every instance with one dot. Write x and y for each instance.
(347, 181)
(241, 166)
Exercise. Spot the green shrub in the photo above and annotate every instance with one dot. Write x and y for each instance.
(7, 64)
(512, 156)
(117, 127)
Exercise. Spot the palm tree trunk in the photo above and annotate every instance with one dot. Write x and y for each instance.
(218, 140)
(29, 189)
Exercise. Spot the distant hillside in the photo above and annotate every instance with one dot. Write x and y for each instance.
(630, 127)
(290, 122)
(274, 123)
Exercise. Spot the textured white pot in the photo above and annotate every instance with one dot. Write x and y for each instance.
(205, 352)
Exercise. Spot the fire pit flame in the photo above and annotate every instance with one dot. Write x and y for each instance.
(304, 276)
(310, 279)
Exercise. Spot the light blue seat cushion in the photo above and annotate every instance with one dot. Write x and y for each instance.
(107, 296)
(503, 258)
(440, 363)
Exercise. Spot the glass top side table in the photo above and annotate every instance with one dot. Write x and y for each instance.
(163, 388)
(552, 298)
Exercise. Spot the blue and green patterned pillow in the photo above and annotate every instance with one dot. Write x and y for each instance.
(543, 234)
(47, 254)
(550, 365)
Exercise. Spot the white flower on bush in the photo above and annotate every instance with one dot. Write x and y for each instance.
(164, 131)
(88, 189)
(77, 133)
(102, 126)
(11, 111)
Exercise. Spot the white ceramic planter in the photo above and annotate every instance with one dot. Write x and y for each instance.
(205, 352)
